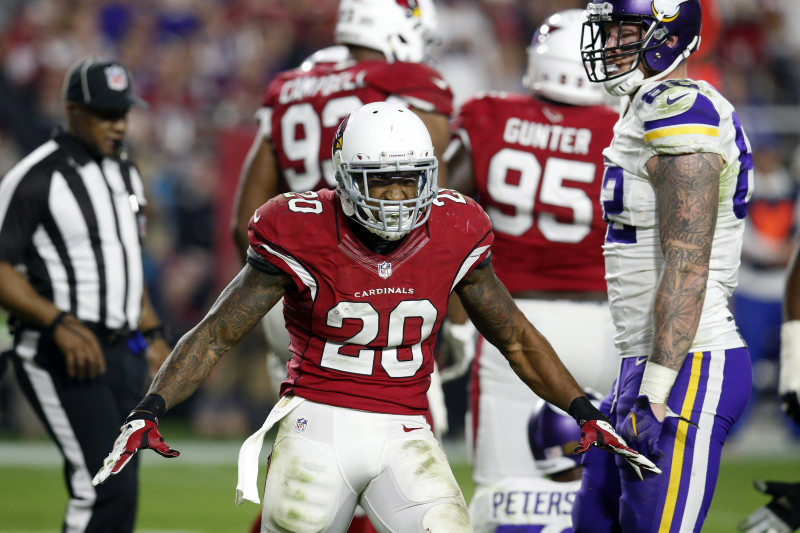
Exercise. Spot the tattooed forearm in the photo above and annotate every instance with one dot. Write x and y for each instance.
(238, 309)
(687, 195)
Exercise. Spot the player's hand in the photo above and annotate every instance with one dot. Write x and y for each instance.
(600, 433)
(139, 432)
(458, 349)
(790, 403)
(642, 428)
(83, 357)
(780, 515)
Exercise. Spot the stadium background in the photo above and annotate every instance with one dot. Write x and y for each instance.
(202, 65)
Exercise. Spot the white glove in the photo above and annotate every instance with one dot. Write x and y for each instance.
(458, 349)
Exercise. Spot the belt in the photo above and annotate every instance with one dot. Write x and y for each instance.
(108, 334)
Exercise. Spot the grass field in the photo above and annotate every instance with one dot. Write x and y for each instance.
(196, 495)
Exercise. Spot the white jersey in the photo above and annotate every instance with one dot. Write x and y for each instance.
(671, 118)
(540, 503)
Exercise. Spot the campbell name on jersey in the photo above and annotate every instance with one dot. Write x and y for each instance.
(671, 118)
(537, 168)
(302, 108)
(362, 324)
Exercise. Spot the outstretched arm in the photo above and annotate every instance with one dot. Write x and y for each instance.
(497, 317)
(493, 311)
(240, 307)
(687, 203)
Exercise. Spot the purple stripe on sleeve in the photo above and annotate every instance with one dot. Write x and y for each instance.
(745, 168)
(701, 112)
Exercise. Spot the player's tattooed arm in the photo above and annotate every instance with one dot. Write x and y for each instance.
(237, 310)
(688, 198)
(496, 316)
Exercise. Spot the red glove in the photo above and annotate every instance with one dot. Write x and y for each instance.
(597, 431)
(139, 432)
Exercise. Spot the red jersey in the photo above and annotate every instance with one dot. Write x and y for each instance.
(302, 110)
(363, 325)
(538, 171)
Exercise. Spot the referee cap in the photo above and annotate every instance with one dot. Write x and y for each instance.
(100, 84)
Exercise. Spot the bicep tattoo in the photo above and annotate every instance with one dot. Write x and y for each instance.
(489, 305)
(688, 194)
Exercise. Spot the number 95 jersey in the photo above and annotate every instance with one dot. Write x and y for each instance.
(538, 171)
(363, 325)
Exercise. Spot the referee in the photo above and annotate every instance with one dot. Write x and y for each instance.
(71, 278)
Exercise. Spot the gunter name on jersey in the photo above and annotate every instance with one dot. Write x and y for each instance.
(551, 137)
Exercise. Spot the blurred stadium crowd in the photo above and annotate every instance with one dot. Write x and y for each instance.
(202, 66)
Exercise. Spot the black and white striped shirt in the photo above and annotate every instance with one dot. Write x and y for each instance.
(72, 223)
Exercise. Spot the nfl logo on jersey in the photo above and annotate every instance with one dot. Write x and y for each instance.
(300, 425)
(385, 270)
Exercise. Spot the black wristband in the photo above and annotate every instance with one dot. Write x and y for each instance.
(582, 410)
(57, 320)
(158, 332)
(151, 408)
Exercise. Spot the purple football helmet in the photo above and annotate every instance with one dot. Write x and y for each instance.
(658, 19)
(553, 434)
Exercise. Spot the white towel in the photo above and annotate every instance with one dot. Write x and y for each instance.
(247, 485)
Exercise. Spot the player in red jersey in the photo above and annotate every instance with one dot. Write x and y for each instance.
(366, 271)
(381, 46)
(534, 162)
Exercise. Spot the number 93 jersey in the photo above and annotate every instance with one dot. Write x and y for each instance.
(301, 110)
(363, 325)
(538, 170)
(671, 118)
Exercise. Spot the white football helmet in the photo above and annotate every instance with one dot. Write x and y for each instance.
(389, 140)
(555, 69)
(331, 54)
(404, 30)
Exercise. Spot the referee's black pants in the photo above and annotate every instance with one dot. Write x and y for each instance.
(83, 417)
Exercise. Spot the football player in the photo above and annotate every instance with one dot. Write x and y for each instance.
(381, 46)
(366, 271)
(782, 513)
(380, 53)
(678, 175)
(536, 503)
(534, 160)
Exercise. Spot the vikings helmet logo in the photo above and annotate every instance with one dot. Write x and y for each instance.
(670, 8)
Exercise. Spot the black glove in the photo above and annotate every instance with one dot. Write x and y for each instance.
(780, 515)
